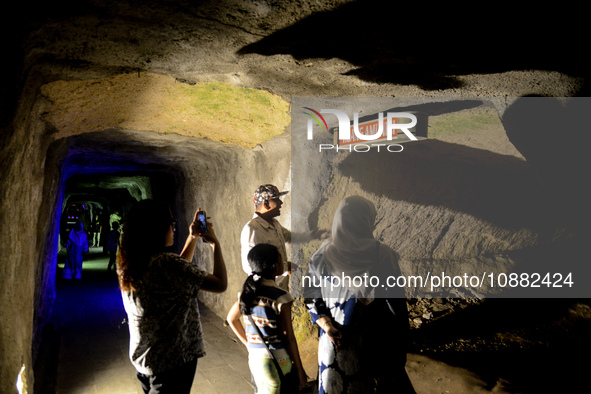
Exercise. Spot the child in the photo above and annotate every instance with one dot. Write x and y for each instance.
(270, 308)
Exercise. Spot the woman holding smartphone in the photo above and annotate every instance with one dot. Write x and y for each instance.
(159, 291)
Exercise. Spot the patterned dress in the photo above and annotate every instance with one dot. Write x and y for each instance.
(372, 333)
(164, 322)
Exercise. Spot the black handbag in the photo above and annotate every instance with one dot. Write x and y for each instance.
(290, 383)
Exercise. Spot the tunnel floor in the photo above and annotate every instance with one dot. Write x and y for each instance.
(92, 340)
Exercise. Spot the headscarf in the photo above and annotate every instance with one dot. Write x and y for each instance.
(353, 250)
(77, 235)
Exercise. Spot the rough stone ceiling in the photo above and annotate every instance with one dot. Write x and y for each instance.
(139, 186)
(317, 48)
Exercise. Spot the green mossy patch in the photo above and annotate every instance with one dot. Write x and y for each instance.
(158, 103)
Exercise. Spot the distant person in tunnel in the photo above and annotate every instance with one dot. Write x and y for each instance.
(76, 246)
(96, 231)
(159, 291)
(363, 328)
(113, 245)
(115, 217)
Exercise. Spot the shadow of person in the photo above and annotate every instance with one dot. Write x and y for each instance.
(497, 188)
(552, 134)
(429, 46)
(535, 325)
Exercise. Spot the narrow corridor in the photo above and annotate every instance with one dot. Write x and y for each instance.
(92, 340)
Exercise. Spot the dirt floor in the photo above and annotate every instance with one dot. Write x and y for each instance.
(494, 346)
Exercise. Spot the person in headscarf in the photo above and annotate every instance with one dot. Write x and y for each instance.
(76, 246)
(363, 326)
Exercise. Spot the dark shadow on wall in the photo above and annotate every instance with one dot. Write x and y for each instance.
(551, 187)
(530, 343)
(430, 44)
(549, 193)
(497, 188)
(553, 135)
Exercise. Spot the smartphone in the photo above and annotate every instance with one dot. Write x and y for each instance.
(202, 218)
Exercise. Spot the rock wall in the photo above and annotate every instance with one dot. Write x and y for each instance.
(25, 214)
(461, 201)
(219, 178)
(272, 46)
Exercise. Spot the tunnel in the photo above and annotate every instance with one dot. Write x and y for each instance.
(109, 169)
(93, 184)
(106, 103)
(93, 192)
(466, 216)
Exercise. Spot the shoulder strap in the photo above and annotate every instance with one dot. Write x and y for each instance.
(279, 371)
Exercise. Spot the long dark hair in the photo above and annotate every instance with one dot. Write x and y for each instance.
(144, 235)
(263, 263)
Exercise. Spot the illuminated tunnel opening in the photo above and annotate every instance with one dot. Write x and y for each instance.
(97, 184)
(92, 175)
(97, 200)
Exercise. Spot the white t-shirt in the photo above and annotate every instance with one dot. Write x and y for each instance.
(259, 231)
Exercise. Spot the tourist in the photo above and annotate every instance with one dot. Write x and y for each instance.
(363, 330)
(76, 246)
(160, 291)
(270, 309)
(265, 228)
(113, 245)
